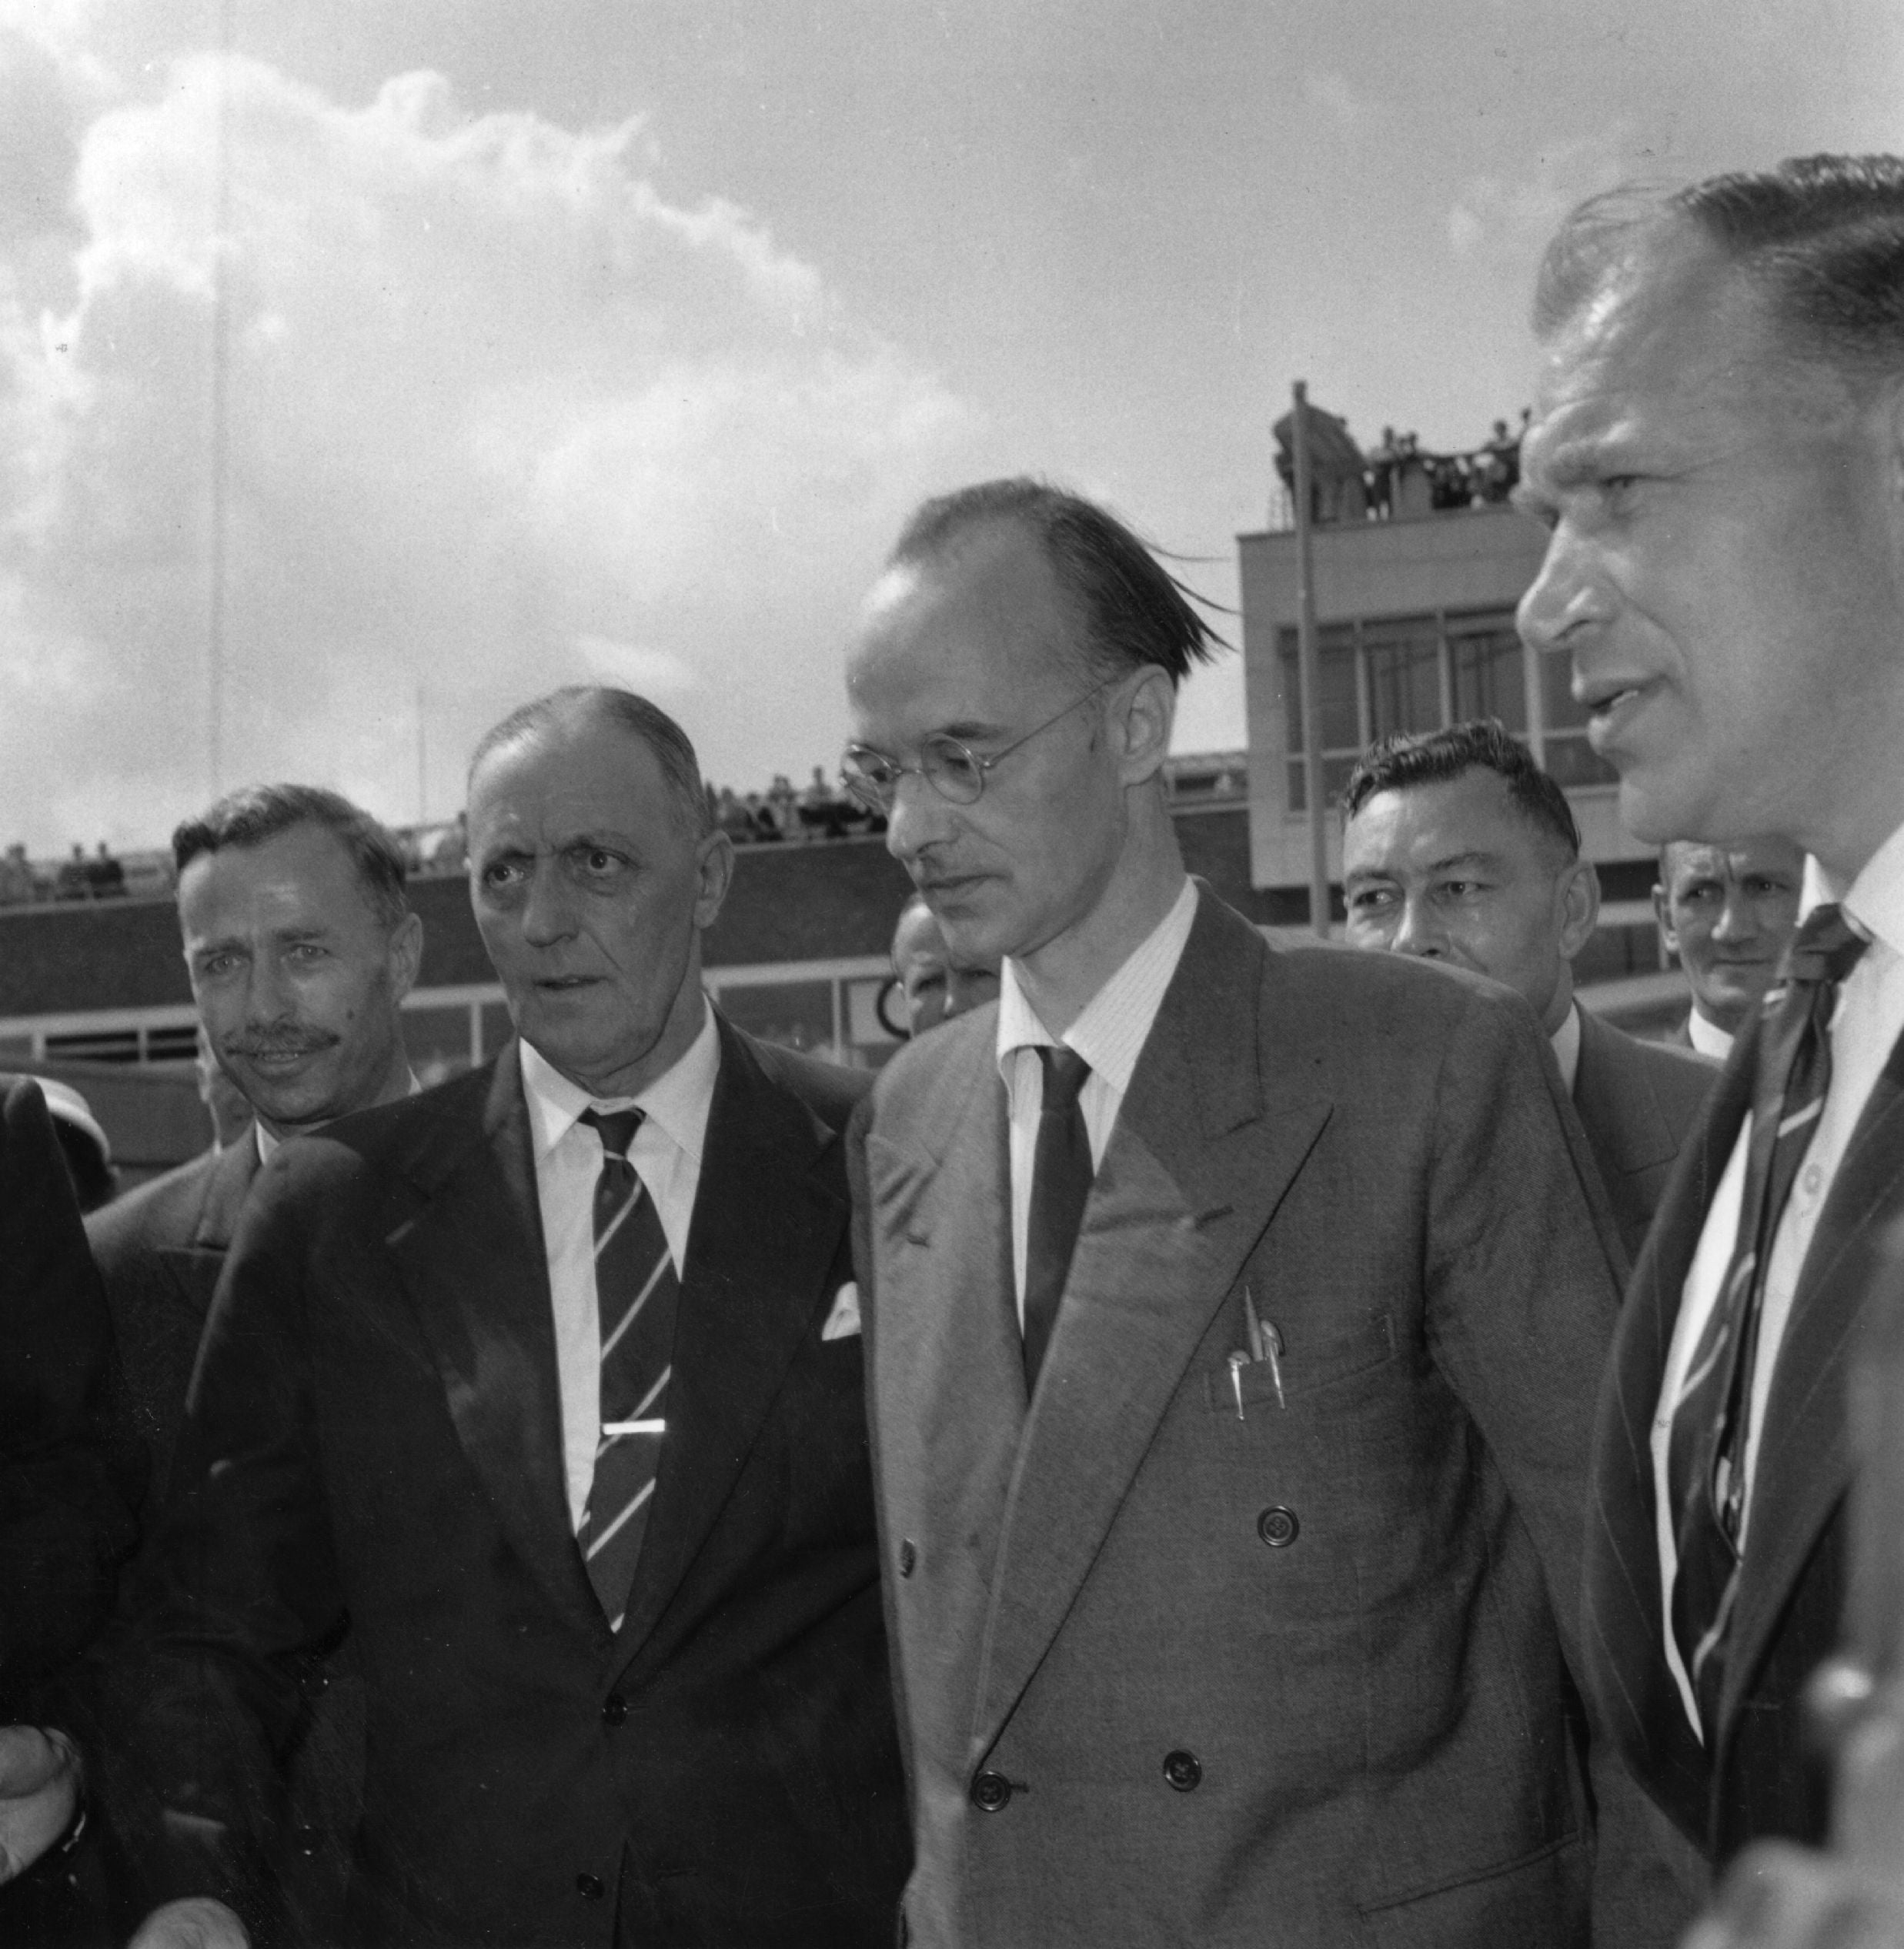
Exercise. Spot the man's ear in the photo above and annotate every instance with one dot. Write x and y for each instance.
(1145, 714)
(713, 870)
(1662, 912)
(1580, 907)
(406, 953)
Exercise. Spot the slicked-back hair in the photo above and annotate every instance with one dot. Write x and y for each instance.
(1822, 237)
(255, 813)
(1135, 612)
(1406, 759)
(602, 703)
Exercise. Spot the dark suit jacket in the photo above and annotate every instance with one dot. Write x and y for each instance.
(375, 1434)
(1638, 1102)
(160, 1250)
(66, 1490)
(1761, 1775)
(1298, 1675)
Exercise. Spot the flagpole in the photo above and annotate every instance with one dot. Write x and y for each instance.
(1309, 675)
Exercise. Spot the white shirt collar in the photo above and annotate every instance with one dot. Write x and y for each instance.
(1875, 900)
(1707, 1037)
(676, 1103)
(1566, 1045)
(267, 1144)
(1116, 1022)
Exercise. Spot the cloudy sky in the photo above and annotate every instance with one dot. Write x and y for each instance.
(513, 344)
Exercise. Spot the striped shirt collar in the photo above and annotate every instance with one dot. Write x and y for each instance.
(1111, 1033)
(677, 1103)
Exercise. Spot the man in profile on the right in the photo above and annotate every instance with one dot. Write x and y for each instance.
(1727, 914)
(1719, 453)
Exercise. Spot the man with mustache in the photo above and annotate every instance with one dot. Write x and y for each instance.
(300, 945)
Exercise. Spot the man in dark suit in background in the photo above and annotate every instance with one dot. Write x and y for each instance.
(547, 1385)
(1727, 914)
(300, 945)
(1457, 847)
(1719, 456)
(1235, 1319)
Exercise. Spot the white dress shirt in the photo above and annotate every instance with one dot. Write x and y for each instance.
(1864, 1028)
(1110, 1035)
(1707, 1037)
(666, 1156)
(1565, 1042)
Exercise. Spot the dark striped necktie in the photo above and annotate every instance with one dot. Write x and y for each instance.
(1705, 1457)
(1061, 1174)
(637, 1295)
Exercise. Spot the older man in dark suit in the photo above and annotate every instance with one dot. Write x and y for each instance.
(1719, 454)
(1458, 849)
(545, 1386)
(1235, 1319)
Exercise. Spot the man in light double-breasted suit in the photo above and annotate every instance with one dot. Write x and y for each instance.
(1234, 1318)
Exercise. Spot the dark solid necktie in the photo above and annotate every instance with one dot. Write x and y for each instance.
(636, 1294)
(1706, 1465)
(1060, 1182)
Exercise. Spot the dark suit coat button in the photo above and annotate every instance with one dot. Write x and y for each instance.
(1277, 1527)
(588, 1886)
(990, 1791)
(908, 1556)
(1183, 1771)
(614, 1708)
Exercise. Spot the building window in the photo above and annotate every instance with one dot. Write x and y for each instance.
(1421, 673)
(1570, 758)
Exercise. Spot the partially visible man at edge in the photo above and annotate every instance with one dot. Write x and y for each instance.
(1234, 1321)
(1727, 914)
(1457, 848)
(1719, 457)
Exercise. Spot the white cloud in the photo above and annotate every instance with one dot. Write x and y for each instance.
(1330, 93)
(496, 413)
(1505, 221)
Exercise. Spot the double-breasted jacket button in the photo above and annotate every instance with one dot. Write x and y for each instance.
(990, 1791)
(614, 1708)
(588, 1886)
(1277, 1527)
(1183, 1771)
(908, 1557)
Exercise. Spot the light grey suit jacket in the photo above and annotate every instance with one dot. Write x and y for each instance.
(1170, 1674)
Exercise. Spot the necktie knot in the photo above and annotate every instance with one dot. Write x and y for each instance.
(1066, 1074)
(1828, 946)
(616, 1129)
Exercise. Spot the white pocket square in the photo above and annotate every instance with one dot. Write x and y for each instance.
(843, 1322)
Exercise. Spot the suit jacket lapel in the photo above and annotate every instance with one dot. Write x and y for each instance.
(1804, 1466)
(473, 1260)
(767, 1227)
(1624, 1619)
(1209, 1138)
(196, 1266)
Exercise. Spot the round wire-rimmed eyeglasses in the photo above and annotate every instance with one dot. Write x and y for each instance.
(953, 770)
